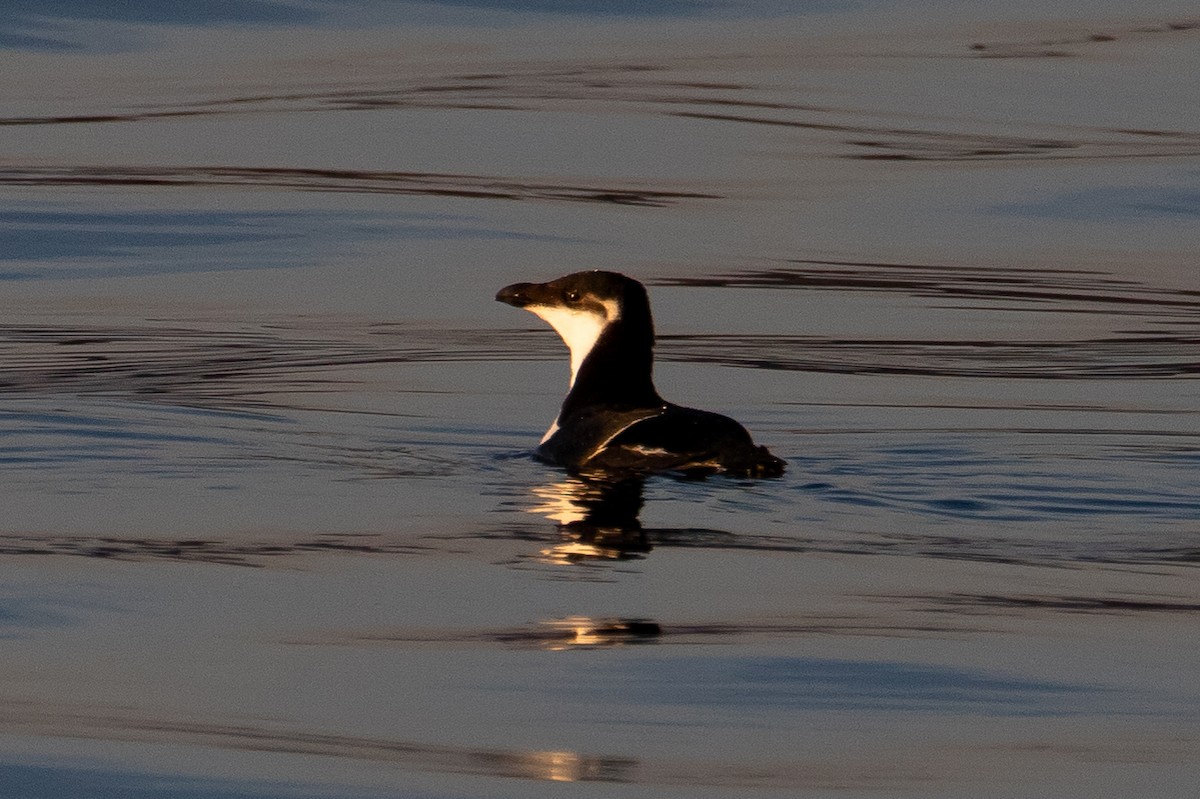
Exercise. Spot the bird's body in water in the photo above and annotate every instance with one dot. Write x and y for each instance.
(613, 420)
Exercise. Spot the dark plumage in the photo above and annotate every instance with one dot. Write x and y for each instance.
(613, 419)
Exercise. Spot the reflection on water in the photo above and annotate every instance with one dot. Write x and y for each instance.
(581, 631)
(597, 518)
(590, 545)
(571, 767)
(119, 725)
(579, 502)
(585, 632)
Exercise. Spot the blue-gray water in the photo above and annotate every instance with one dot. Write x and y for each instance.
(271, 527)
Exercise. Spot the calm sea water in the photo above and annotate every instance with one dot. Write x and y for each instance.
(271, 527)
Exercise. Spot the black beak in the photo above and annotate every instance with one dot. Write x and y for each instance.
(518, 294)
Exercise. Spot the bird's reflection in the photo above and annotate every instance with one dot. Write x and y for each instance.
(568, 766)
(586, 632)
(597, 518)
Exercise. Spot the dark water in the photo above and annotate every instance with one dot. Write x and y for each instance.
(271, 526)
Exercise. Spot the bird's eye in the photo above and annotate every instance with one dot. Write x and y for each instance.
(573, 295)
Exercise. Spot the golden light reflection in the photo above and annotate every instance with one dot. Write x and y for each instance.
(575, 632)
(567, 766)
(558, 766)
(562, 502)
(576, 551)
(597, 520)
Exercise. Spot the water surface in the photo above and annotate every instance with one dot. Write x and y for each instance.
(272, 527)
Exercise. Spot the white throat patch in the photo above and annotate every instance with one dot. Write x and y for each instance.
(579, 329)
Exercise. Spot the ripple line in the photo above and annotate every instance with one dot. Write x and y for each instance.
(345, 180)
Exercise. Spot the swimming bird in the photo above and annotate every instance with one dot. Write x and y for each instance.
(613, 419)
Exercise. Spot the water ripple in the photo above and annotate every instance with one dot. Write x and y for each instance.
(222, 367)
(1107, 358)
(696, 87)
(246, 367)
(1029, 288)
(340, 180)
(232, 552)
(1079, 44)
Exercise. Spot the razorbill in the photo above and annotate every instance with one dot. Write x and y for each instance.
(613, 419)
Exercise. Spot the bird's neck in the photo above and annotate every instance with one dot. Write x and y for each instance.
(617, 371)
